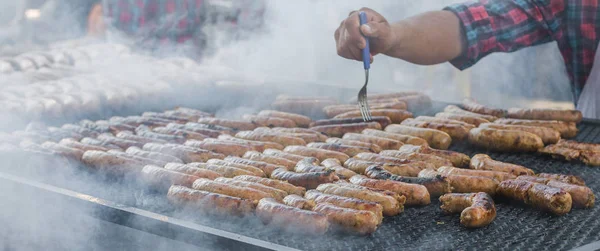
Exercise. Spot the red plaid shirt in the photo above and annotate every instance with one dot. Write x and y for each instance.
(509, 25)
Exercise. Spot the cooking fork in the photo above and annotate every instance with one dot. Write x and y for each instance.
(363, 103)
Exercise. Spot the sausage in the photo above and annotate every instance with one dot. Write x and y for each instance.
(435, 138)
(357, 221)
(380, 96)
(505, 140)
(145, 161)
(396, 116)
(307, 180)
(459, 111)
(225, 148)
(566, 129)
(590, 158)
(384, 143)
(307, 137)
(571, 179)
(476, 209)
(122, 143)
(231, 190)
(285, 155)
(558, 151)
(457, 159)
(181, 133)
(208, 130)
(468, 126)
(359, 166)
(464, 183)
(233, 124)
(436, 186)
(340, 129)
(191, 111)
(372, 147)
(550, 199)
(280, 139)
(308, 165)
(300, 120)
(161, 179)
(225, 171)
(348, 150)
(320, 154)
(333, 110)
(548, 135)
(432, 159)
(383, 121)
(269, 121)
(138, 138)
(499, 176)
(185, 153)
(346, 202)
(256, 156)
(275, 193)
(194, 171)
(68, 152)
(545, 114)
(336, 166)
(136, 151)
(172, 117)
(80, 130)
(298, 201)
(456, 132)
(294, 130)
(304, 107)
(416, 195)
(159, 136)
(266, 167)
(210, 202)
(579, 145)
(281, 185)
(138, 120)
(406, 139)
(258, 145)
(391, 206)
(582, 196)
(417, 102)
(111, 163)
(100, 143)
(473, 120)
(484, 162)
(472, 106)
(290, 218)
(381, 159)
(255, 170)
(81, 146)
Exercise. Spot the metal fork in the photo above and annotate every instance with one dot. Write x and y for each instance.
(363, 103)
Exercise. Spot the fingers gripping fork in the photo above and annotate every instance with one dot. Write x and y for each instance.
(363, 103)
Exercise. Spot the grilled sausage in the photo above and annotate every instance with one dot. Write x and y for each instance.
(352, 220)
(191, 111)
(280, 139)
(499, 176)
(468, 126)
(476, 209)
(505, 140)
(269, 121)
(459, 111)
(348, 150)
(472, 106)
(100, 143)
(256, 156)
(181, 133)
(457, 159)
(307, 180)
(484, 162)
(416, 195)
(285, 155)
(432, 159)
(571, 179)
(300, 120)
(258, 145)
(275, 193)
(81, 146)
(68, 152)
(231, 190)
(579, 145)
(111, 163)
(145, 161)
(290, 218)
(136, 151)
(308, 165)
(384, 143)
(558, 151)
(336, 166)
(418, 102)
(294, 130)
(320, 154)
(346, 202)
(545, 114)
(266, 167)
(549, 199)
(436, 186)
(307, 137)
(383, 121)
(80, 130)
(255, 170)
(210, 202)
(396, 116)
(390, 205)
(381, 159)
(302, 106)
(225, 171)
(172, 117)
(548, 135)
(191, 170)
(456, 132)
(473, 120)
(372, 147)
(340, 129)
(359, 166)
(298, 201)
(582, 196)
(435, 138)
(161, 179)
(406, 139)
(590, 158)
(464, 183)
(159, 136)
(225, 148)
(137, 138)
(185, 153)
(234, 124)
(208, 130)
(122, 143)
(333, 110)
(384, 96)
(566, 129)
(281, 185)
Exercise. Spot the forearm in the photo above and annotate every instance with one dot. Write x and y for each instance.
(430, 38)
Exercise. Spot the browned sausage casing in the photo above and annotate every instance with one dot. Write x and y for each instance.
(457, 159)
(545, 114)
(185, 153)
(346, 202)
(123, 143)
(348, 150)
(270, 137)
(476, 209)
(285, 155)
(255, 170)
(372, 147)
(566, 129)
(579, 145)
(111, 163)
(558, 151)
(384, 143)
(416, 195)
(484, 162)
(548, 135)
(307, 180)
(472, 106)
(225, 148)
(290, 218)
(273, 192)
(429, 158)
(269, 121)
(341, 129)
(406, 139)
(320, 154)
(457, 110)
(590, 158)
(68, 152)
(257, 145)
(81, 146)
(161, 178)
(505, 140)
(457, 132)
(462, 117)
(231, 190)
(281, 185)
(210, 202)
(225, 171)
(383, 121)
(360, 166)
(571, 179)
(435, 138)
(194, 171)
(391, 206)
(499, 176)
(300, 120)
(436, 186)
(396, 116)
(146, 161)
(464, 183)
(298, 201)
(550, 199)
(178, 132)
(266, 167)
(234, 124)
(352, 220)
(445, 121)
(333, 110)
(101, 143)
(256, 156)
(582, 196)
(134, 150)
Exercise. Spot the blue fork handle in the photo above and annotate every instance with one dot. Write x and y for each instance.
(366, 52)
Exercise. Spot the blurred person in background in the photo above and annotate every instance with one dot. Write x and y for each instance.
(464, 33)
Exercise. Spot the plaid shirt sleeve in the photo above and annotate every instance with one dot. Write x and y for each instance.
(505, 26)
